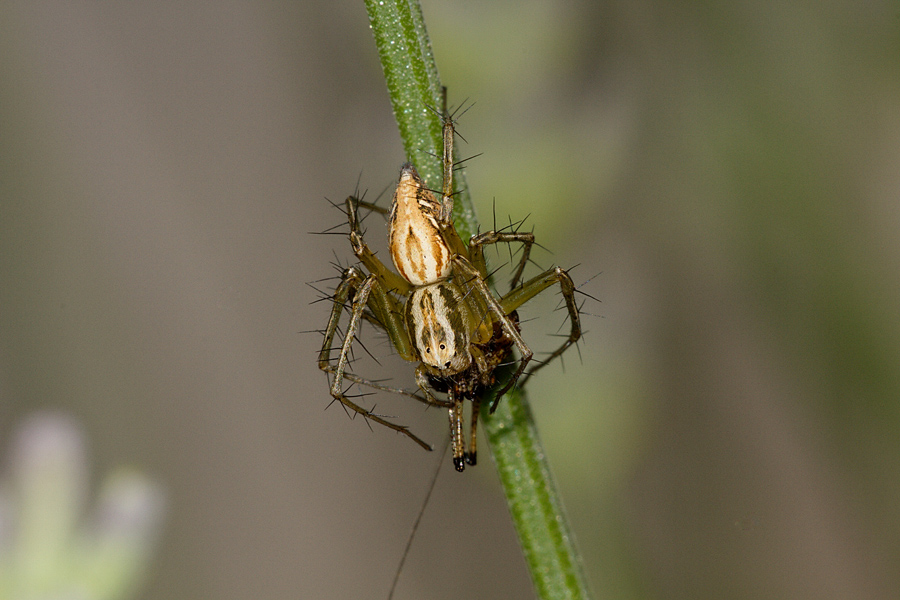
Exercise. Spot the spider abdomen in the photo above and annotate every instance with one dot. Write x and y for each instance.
(417, 247)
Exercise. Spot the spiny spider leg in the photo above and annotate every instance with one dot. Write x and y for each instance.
(445, 216)
(378, 386)
(370, 206)
(352, 283)
(350, 280)
(531, 288)
(388, 279)
(476, 252)
(509, 328)
(447, 162)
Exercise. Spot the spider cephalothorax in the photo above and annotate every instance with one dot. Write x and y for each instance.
(439, 311)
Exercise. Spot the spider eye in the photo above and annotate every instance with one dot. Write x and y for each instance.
(443, 347)
(428, 350)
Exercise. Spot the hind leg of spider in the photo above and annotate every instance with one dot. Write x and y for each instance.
(478, 285)
(476, 250)
(365, 292)
(351, 279)
(528, 290)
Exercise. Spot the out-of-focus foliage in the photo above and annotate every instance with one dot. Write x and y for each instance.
(53, 544)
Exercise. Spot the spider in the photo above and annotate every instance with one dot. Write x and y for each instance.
(439, 310)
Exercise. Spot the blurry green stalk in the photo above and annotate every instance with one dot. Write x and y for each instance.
(414, 86)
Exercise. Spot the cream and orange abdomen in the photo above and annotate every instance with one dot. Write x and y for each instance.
(417, 247)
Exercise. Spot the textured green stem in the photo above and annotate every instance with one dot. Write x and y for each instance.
(414, 85)
(415, 90)
(533, 501)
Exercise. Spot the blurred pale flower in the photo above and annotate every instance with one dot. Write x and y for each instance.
(52, 545)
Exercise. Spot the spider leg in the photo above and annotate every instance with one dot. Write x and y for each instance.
(353, 283)
(445, 216)
(476, 252)
(457, 439)
(388, 279)
(370, 206)
(375, 385)
(478, 283)
(455, 411)
(528, 290)
(350, 281)
(422, 382)
(472, 454)
(447, 164)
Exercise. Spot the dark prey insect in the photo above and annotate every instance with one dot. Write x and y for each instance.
(439, 311)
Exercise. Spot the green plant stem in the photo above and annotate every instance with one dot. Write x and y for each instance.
(414, 86)
(415, 89)
(534, 503)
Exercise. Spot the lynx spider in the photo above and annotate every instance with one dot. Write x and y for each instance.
(439, 311)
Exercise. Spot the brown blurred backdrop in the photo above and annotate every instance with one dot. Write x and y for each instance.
(731, 170)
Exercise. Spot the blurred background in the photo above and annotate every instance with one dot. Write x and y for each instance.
(731, 172)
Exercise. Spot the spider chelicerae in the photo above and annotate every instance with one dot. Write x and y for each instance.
(439, 311)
